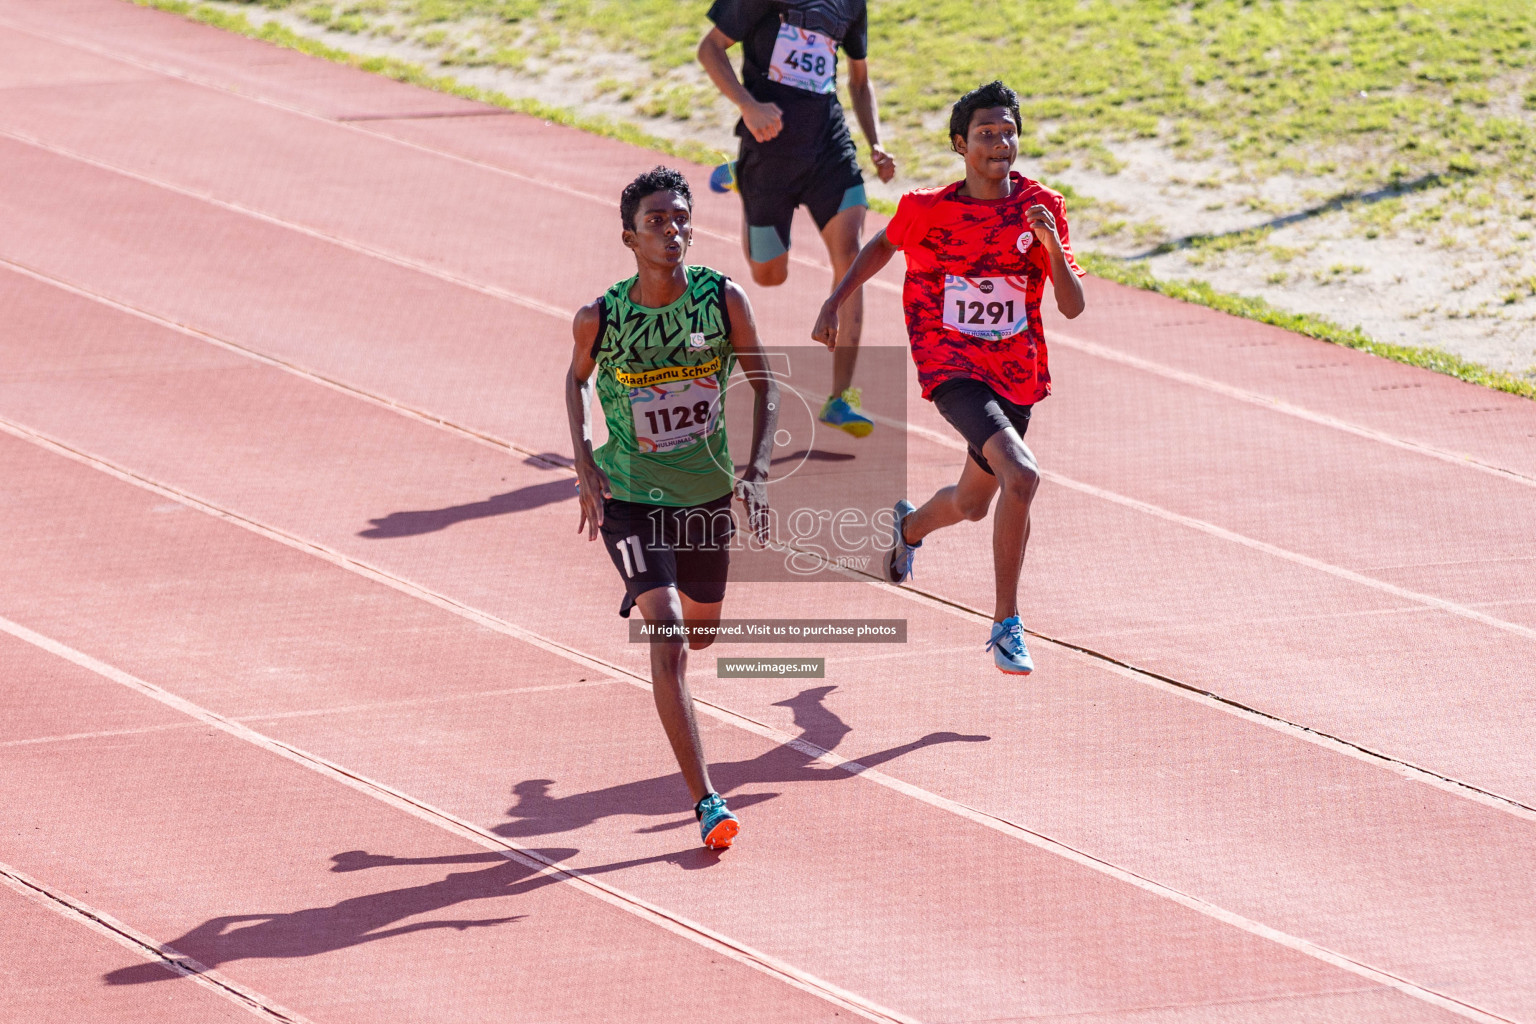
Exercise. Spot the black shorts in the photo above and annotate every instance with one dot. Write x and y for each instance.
(773, 182)
(664, 546)
(978, 412)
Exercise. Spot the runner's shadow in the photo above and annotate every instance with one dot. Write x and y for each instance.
(352, 922)
(809, 455)
(430, 520)
(536, 813)
(415, 522)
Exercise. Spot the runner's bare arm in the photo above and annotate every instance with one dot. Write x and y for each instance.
(753, 488)
(1069, 289)
(578, 410)
(763, 120)
(877, 252)
(867, 109)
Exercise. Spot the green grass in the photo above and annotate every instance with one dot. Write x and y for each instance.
(1273, 83)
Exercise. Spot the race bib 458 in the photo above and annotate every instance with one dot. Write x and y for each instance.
(803, 59)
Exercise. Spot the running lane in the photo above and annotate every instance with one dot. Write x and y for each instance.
(233, 436)
(1243, 544)
(1172, 339)
(491, 746)
(304, 892)
(1128, 775)
(51, 966)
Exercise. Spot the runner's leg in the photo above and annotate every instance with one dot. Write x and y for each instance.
(700, 613)
(767, 213)
(968, 499)
(841, 235)
(662, 606)
(768, 273)
(1018, 477)
(703, 565)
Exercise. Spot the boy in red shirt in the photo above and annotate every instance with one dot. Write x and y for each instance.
(978, 254)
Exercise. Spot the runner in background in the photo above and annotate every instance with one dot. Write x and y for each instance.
(661, 346)
(796, 149)
(978, 254)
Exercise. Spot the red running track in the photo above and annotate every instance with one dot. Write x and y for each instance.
(265, 314)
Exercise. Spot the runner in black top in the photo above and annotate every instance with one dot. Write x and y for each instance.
(796, 148)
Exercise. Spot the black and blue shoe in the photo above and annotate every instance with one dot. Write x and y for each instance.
(898, 564)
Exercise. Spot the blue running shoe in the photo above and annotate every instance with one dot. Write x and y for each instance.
(842, 412)
(1007, 647)
(723, 178)
(898, 565)
(717, 824)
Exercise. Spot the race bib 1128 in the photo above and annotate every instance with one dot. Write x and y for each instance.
(674, 415)
(985, 307)
(804, 60)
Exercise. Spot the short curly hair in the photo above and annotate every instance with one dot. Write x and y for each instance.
(657, 179)
(993, 94)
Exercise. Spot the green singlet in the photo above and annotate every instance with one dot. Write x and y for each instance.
(661, 376)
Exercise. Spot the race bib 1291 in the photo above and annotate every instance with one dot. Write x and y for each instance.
(804, 59)
(985, 307)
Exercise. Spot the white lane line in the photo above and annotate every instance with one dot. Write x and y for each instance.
(675, 923)
(383, 255)
(1232, 707)
(1066, 338)
(361, 128)
(1499, 560)
(562, 314)
(861, 658)
(1274, 404)
(307, 375)
(1251, 715)
(1062, 338)
(1232, 536)
(944, 440)
(83, 913)
(590, 885)
(100, 735)
(415, 702)
(1403, 593)
(533, 303)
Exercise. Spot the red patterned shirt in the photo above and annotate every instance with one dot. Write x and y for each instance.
(975, 276)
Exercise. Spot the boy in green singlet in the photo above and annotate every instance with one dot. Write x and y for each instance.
(661, 346)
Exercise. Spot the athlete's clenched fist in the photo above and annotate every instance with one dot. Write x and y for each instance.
(1044, 226)
(764, 120)
(885, 164)
(825, 330)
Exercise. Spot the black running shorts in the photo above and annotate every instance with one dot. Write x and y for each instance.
(663, 546)
(978, 412)
(773, 181)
